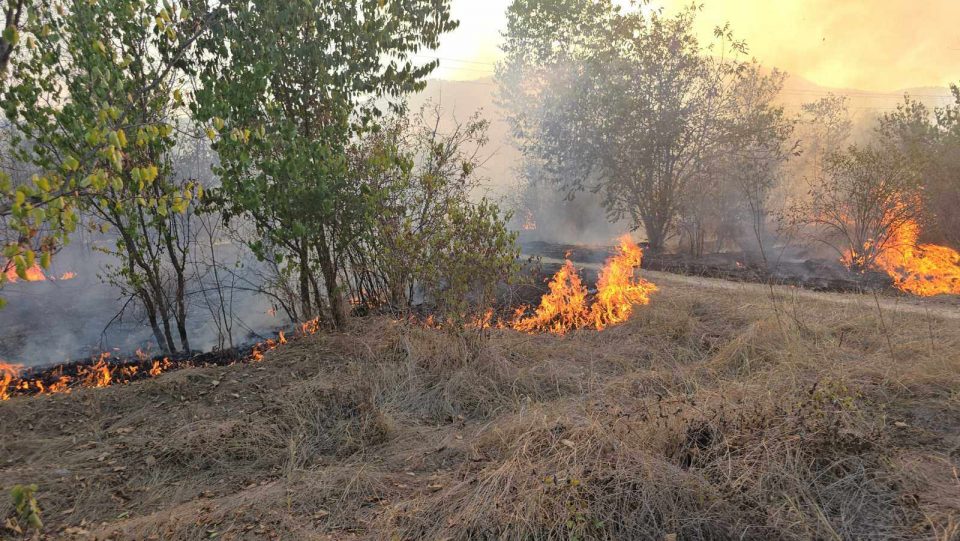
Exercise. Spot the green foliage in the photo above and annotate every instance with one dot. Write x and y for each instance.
(26, 507)
(428, 237)
(931, 139)
(619, 102)
(289, 86)
(97, 97)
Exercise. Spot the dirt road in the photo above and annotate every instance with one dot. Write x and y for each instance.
(946, 306)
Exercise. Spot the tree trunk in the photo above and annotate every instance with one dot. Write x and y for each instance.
(305, 305)
(329, 269)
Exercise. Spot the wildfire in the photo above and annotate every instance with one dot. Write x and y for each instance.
(529, 222)
(921, 269)
(34, 274)
(102, 372)
(566, 306)
(8, 372)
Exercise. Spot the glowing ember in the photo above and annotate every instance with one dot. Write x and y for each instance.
(14, 379)
(565, 306)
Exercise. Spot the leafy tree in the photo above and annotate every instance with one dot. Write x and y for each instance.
(429, 239)
(860, 201)
(931, 138)
(97, 97)
(290, 85)
(627, 109)
(15, 14)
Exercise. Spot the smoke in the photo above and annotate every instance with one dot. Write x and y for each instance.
(881, 45)
(56, 320)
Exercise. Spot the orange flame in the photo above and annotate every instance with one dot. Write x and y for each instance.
(8, 372)
(103, 373)
(920, 269)
(34, 274)
(565, 306)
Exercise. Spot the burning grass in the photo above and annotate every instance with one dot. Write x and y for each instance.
(708, 414)
(924, 270)
(568, 305)
(16, 380)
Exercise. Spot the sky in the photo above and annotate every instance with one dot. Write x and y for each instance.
(872, 45)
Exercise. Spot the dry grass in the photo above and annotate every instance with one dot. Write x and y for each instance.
(711, 414)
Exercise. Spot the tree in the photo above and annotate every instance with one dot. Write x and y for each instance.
(757, 139)
(15, 13)
(932, 140)
(860, 202)
(429, 239)
(97, 97)
(289, 86)
(627, 109)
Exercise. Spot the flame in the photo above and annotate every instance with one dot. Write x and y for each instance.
(103, 372)
(34, 274)
(920, 269)
(565, 307)
(529, 222)
(8, 372)
(617, 290)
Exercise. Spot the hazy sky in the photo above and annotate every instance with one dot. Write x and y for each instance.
(878, 45)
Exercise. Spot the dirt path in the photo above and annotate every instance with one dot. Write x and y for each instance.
(948, 307)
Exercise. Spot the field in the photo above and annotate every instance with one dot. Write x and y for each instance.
(713, 413)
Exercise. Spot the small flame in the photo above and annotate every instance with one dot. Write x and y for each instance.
(103, 372)
(566, 307)
(8, 372)
(529, 222)
(34, 274)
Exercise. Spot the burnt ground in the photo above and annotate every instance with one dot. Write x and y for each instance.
(714, 413)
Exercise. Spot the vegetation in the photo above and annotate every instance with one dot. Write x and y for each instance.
(292, 84)
(715, 412)
(636, 108)
(197, 137)
(861, 201)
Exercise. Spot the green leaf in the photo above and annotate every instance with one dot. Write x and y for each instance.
(11, 35)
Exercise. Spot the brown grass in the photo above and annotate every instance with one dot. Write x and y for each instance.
(711, 414)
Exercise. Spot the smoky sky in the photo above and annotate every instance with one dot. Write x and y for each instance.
(875, 45)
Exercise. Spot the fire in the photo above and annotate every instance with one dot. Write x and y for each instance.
(34, 274)
(617, 290)
(103, 372)
(921, 269)
(529, 222)
(8, 372)
(566, 306)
